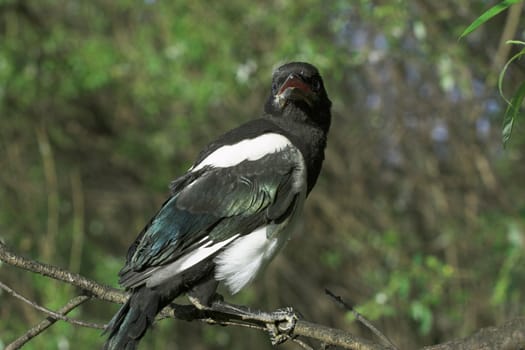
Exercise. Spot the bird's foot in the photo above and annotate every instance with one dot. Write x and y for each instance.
(281, 325)
(197, 303)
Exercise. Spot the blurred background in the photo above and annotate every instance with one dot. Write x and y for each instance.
(419, 214)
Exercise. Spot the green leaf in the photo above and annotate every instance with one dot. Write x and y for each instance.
(515, 42)
(493, 11)
(515, 103)
(422, 314)
(512, 112)
(504, 71)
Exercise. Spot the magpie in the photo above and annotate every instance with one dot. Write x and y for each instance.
(232, 211)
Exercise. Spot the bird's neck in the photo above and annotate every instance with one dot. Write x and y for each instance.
(306, 135)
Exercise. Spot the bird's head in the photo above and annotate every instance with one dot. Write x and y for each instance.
(299, 86)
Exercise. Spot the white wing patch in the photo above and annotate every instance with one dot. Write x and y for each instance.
(252, 149)
(241, 261)
(186, 261)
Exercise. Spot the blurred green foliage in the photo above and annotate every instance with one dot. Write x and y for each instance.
(418, 216)
(515, 102)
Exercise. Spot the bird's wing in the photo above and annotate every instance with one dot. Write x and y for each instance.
(212, 206)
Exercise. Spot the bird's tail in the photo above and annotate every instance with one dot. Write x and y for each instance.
(130, 323)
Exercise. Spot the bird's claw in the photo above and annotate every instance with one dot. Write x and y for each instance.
(281, 329)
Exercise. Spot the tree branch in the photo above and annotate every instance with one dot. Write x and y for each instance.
(46, 323)
(50, 313)
(101, 291)
(185, 312)
(361, 318)
(327, 335)
(509, 336)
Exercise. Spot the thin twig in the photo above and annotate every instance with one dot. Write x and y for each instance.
(360, 318)
(302, 344)
(50, 312)
(103, 292)
(46, 323)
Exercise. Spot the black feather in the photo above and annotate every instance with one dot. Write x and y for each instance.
(129, 325)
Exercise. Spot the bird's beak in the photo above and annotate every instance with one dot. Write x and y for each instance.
(294, 88)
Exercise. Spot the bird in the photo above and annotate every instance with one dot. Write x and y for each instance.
(233, 210)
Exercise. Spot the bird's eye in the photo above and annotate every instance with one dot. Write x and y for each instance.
(316, 84)
(275, 86)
